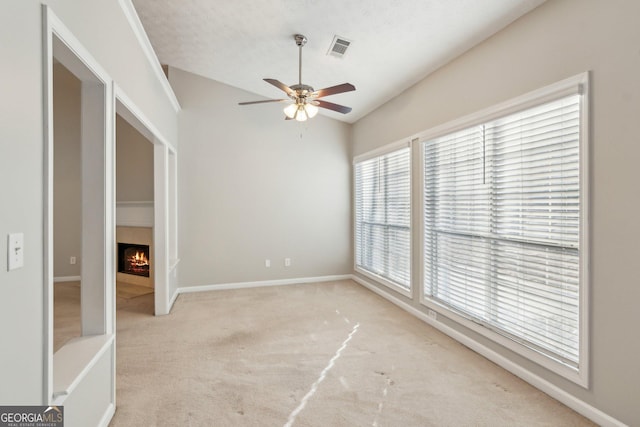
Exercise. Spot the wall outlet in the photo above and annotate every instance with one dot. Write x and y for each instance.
(72, 260)
(432, 314)
(287, 262)
(267, 263)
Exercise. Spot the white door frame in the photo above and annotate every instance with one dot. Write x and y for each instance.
(163, 243)
(73, 366)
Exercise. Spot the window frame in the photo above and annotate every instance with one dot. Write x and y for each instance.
(578, 84)
(378, 152)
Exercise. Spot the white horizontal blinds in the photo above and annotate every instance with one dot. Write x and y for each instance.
(536, 297)
(383, 216)
(536, 207)
(514, 266)
(457, 210)
(456, 182)
(536, 173)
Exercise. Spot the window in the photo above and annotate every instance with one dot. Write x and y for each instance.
(383, 217)
(503, 228)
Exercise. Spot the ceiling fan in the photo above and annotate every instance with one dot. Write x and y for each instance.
(305, 99)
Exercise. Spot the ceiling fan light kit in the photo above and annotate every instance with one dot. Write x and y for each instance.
(305, 99)
(300, 112)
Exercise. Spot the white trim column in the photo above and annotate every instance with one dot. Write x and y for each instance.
(93, 209)
(161, 226)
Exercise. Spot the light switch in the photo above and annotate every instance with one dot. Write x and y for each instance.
(15, 251)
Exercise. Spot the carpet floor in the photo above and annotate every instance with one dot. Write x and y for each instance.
(66, 308)
(327, 354)
(66, 313)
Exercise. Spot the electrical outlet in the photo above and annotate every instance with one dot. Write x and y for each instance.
(72, 260)
(267, 263)
(287, 262)
(432, 314)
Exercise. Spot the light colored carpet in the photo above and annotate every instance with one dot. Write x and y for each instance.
(249, 357)
(66, 313)
(66, 308)
(128, 291)
(329, 354)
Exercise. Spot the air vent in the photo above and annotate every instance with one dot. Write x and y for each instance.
(339, 46)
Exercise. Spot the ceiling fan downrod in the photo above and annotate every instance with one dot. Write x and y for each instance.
(300, 41)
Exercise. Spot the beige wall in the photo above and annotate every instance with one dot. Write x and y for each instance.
(134, 164)
(21, 160)
(560, 39)
(252, 186)
(67, 211)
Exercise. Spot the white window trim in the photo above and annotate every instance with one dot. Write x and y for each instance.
(578, 84)
(381, 151)
(381, 280)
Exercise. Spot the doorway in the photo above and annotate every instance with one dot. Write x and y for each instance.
(146, 200)
(135, 250)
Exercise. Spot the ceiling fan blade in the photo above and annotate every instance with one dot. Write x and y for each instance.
(331, 106)
(283, 87)
(344, 87)
(262, 102)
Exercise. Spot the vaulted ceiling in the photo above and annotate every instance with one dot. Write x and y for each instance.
(394, 43)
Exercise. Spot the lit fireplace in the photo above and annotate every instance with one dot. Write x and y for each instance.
(133, 259)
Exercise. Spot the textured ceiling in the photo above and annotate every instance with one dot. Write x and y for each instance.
(395, 43)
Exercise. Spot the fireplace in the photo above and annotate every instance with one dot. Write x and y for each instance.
(133, 259)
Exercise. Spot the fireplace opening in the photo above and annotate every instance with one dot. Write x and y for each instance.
(133, 259)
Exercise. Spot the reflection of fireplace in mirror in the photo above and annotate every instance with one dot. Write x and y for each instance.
(133, 259)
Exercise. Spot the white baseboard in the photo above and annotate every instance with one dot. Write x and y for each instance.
(173, 299)
(66, 279)
(108, 415)
(262, 283)
(545, 386)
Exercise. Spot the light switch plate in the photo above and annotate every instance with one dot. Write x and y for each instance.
(15, 251)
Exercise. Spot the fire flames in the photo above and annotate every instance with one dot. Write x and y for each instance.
(138, 262)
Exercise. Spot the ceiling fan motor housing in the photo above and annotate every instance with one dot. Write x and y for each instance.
(301, 91)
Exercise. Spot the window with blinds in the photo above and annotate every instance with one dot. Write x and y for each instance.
(383, 217)
(502, 226)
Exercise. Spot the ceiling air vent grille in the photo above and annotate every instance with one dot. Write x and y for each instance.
(339, 46)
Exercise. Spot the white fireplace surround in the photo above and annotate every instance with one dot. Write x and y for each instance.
(134, 214)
